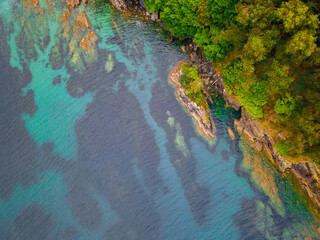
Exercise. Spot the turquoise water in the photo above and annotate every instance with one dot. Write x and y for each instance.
(94, 144)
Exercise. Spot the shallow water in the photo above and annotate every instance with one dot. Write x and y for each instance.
(96, 146)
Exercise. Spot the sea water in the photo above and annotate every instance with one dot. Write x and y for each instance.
(100, 148)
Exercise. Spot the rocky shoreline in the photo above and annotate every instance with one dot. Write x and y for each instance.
(136, 6)
(206, 128)
(306, 173)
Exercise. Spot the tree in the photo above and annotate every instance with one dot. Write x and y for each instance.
(301, 45)
(295, 15)
(285, 107)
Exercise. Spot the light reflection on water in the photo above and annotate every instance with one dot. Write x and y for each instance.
(101, 149)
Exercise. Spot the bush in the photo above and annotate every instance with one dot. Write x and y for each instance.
(185, 81)
(283, 148)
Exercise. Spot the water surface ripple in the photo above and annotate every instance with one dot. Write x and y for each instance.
(94, 144)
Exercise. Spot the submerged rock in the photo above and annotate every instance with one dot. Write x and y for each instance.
(109, 64)
(263, 178)
(88, 41)
(82, 19)
(308, 175)
(81, 26)
(73, 3)
(64, 21)
(231, 133)
(56, 58)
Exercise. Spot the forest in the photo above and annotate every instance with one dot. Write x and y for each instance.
(268, 52)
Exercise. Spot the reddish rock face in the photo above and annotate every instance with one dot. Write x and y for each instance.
(73, 3)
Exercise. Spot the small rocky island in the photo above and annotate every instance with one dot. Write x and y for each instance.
(201, 114)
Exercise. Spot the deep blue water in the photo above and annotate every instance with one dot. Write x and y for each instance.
(94, 144)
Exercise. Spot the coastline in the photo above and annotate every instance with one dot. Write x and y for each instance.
(306, 173)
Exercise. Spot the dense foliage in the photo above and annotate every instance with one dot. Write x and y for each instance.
(268, 52)
(192, 82)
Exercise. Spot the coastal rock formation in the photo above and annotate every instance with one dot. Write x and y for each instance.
(231, 101)
(73, 3)
(88, 41)
(154, 16)
(231, 134)
(307, 173)
(83, 20)
(79, 44)
(206, 128)
(263, 178)
(81, 25)
(76, 3)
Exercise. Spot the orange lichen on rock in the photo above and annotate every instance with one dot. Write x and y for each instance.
(73, 3)
(81, 25)
(88, 41)
(34, 3)
(83, 20)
